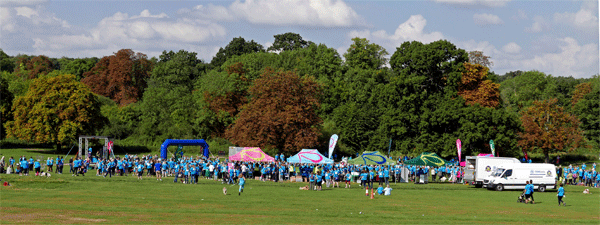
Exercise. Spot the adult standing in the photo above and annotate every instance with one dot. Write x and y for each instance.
(71, 165)
(527, 192)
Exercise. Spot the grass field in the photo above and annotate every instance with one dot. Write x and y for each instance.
(119, 200)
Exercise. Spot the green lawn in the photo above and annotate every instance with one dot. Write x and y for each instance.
(91, 199)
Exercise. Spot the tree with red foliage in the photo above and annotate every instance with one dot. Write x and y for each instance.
(549, 128)
(228, 104)
(34, 67)
(120, 77)
(282, 113)
(475, 88)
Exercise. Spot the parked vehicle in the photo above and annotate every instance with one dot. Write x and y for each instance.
(477, 168)
(515, 175)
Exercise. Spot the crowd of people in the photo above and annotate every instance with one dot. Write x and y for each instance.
(188, 170)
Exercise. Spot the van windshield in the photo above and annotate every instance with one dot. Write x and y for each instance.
(498, 172)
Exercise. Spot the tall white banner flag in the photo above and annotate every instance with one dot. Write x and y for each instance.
(332, 141)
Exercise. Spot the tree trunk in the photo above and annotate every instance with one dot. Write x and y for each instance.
(58, 148)
(546, 157)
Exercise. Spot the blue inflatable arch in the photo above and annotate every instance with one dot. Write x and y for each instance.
(195, 142)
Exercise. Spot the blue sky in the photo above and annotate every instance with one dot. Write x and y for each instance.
(556, 37)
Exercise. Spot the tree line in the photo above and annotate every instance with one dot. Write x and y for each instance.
(296, 94)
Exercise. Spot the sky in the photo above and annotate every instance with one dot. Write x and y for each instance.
(556, 37)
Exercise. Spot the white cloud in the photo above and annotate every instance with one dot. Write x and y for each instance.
(586, 18)
(326, 13)
(539, 25)
(38, 15)
(512, 48)
(485, 19)
(521, 15)
(210, 12)
(21, 2)
(411, 30)
(6, 23)
(144, 31)
(485, 3)
(572, 60)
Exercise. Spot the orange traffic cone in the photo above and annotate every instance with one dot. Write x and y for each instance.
(372, 194)
(367, 192)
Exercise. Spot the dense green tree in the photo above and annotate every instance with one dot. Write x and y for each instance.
(287, 42)
(6, 63)
(6, 99)
(421, 102)
(168, 106)
(587, 107)
(237, 46)
(521, 91)
(365, 55)
(55, 110)
(357, 116)
(78, 67)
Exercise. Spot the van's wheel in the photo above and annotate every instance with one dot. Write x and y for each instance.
(542, 188)
(478, 185)
(499, 187)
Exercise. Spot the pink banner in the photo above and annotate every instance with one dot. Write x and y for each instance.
(251, 154)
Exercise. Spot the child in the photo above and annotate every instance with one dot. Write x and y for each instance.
(242, 182)
(561, 194)
(348, 179)
(387, 190)
(380, 190)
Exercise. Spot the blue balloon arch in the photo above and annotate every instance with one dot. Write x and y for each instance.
(186, 142)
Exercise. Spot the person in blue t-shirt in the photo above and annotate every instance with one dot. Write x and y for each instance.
(311, 179)
(319, 180)
(37, 166)
(242, 183)
(561, 194)
(140, 171)
(157, 171)
(380, 190)
(348, 179)
(386, 176)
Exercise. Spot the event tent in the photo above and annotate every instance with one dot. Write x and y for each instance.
(309, 156)
(371, 158)
(426, 159)
(251, 154)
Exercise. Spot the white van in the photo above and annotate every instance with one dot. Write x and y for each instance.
(514, 176)
(477, 168)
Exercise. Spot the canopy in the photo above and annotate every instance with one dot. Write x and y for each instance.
(251, 154)
(371, 158)
(427, 159)
(309, 156)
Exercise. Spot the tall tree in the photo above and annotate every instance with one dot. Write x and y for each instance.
(237, 46)
(55, 110)
(586, 105)
(168, 106)
(476, 89)
(78, 67)
(521, 91)
(287, 42)
(477, 57)
(547, 127)
(365, 55)
(6, 63)
(6, 99)
(121, 77)
(421, 108)
(282, 113)
(31, 68)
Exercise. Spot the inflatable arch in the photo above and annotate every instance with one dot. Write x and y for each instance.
(195, 142)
